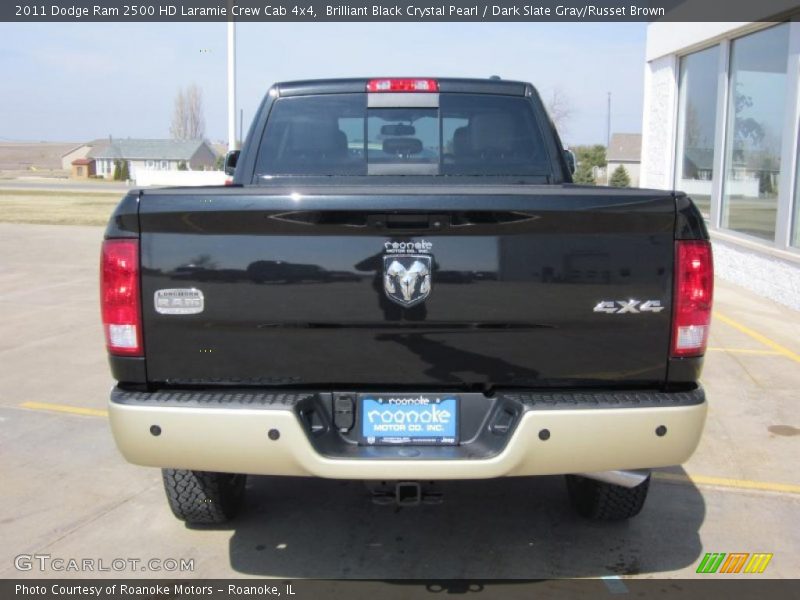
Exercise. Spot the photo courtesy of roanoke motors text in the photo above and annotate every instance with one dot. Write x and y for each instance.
(388, 300)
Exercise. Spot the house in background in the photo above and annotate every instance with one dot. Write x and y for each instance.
(77, 153)
(152, 155)
(82, 168)
(625, 150)
(80, 151)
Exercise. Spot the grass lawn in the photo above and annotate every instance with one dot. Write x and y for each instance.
(56, 207)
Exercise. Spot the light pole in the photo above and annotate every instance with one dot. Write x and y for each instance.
(608, 122)
(231, 85)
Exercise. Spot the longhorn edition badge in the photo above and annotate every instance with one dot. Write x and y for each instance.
(407, 271)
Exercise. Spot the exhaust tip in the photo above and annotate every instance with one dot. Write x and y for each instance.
(626, 478)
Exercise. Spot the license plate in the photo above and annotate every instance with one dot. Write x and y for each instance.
(408, 419)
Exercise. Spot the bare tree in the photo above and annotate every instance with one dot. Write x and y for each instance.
(188, 122)
(559, 107)
(178, 127)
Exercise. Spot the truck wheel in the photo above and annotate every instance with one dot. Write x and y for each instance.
(200, 497)
(605, 501)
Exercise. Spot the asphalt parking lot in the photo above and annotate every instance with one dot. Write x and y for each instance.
(67, 492)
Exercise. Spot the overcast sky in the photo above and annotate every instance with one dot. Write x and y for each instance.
(78, 81)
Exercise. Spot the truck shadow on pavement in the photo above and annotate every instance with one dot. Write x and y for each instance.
(521, 528)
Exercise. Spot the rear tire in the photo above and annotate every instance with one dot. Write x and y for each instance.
(203, 498)
(605, 501)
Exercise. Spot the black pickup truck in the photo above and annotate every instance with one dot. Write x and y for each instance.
(402, 285)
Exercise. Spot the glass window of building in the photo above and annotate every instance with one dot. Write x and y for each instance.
(796, 226)
(697, 117)
(756, 109)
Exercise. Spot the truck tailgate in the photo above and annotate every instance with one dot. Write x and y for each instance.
(529, 286)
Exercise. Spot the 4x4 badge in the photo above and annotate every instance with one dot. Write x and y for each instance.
(620, 307)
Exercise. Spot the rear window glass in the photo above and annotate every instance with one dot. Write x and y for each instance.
(468, 134)
(403, 135)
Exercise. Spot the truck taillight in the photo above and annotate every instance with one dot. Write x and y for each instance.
(119, 297)
(402, 85)
(694, 291)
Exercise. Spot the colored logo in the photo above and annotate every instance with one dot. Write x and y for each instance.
(734, 562)
(403, 420)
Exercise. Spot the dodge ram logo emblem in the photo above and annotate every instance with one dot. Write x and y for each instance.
(407, 271)
(407, 278)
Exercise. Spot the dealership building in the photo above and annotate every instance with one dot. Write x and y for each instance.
(722, 123)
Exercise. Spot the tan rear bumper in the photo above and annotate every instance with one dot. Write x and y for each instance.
(236, 440)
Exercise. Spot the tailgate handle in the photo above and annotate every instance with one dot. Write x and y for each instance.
(407, 221)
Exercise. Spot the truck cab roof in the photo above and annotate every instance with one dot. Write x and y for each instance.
(446, 85)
